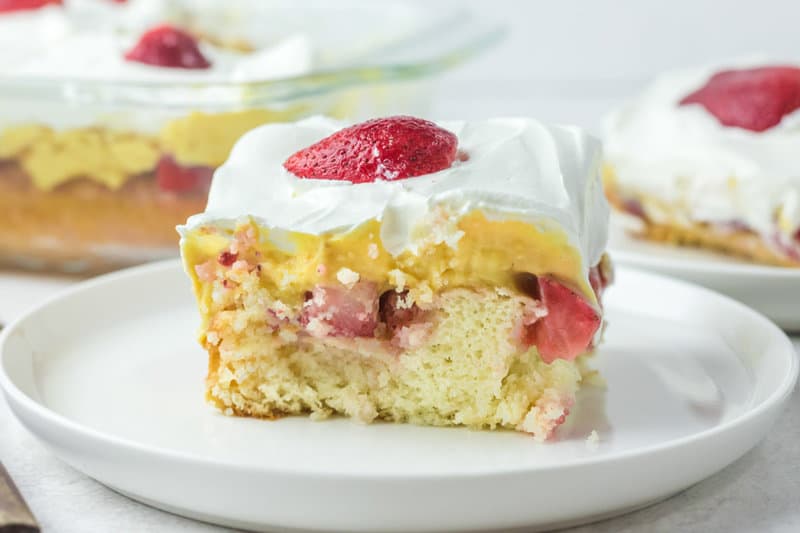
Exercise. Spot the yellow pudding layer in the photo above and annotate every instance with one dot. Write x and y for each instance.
(488, 253)
(52, 157)
(110, 157)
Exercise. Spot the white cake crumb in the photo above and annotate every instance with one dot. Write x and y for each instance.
(405, 301)
(422, 294)
(347, 277)
(213, 338)
(372, 250)
(286, 279)
(281, 310)
(593, 441)
(287, 335)
(398, 279)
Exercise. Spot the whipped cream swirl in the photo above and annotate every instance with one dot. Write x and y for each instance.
(716, 174)
(517, 168)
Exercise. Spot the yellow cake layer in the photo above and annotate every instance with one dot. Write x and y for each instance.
(468, 370)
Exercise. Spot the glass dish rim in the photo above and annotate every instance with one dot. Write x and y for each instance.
(227, 94)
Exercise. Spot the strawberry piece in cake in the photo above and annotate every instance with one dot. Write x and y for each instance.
(371, 271)
(174, 177)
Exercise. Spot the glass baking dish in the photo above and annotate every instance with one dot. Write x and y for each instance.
(96, 173)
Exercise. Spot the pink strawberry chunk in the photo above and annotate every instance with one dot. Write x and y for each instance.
(569, 326)
(340, 312)
(395, 313)
(754, 99)
(174, 177)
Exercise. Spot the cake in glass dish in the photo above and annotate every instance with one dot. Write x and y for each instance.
(114, 115)
(708, 158)
(403, 270)
(77, 182)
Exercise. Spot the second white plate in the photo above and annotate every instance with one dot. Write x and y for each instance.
(774, 291)
(108, 376)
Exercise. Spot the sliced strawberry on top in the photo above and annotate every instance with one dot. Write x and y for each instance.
(7, 6)
(390, 148)
(168, 46)
(754, 99)
(174, 177)
(341, 312)
(569, 326)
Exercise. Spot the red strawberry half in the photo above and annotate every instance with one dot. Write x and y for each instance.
(390, 148)
(173, 177)
(168, 46)
(7, 6)
(753, 99)
(569, 326)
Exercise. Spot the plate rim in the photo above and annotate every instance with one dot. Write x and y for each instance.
(18, 399)
(634, 259)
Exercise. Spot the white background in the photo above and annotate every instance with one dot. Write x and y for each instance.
(570, 60)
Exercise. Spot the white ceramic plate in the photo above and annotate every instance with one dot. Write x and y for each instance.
(108, 375)
(774, 291)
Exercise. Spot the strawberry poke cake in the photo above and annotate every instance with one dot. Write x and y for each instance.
(95, 167)
(403, 270)
(710, 158)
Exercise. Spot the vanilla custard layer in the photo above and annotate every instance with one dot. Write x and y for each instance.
(487, 254)
(110, 157)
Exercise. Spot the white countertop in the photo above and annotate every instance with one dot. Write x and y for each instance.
(757, 493)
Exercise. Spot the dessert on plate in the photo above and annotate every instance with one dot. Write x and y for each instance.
(403, 270)
(709, 158)
(85, 178)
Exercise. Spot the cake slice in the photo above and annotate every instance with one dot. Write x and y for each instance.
(708, 158)
(440, 274)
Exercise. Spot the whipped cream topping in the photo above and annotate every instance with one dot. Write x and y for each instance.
(517, 168)
(99, 55)
(717, 174)
(24, 34)
(87, 40)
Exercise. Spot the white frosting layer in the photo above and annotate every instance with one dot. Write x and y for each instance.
(683, 155)
(517, 168)
(87, 40)
(26, 34)
(100, 55)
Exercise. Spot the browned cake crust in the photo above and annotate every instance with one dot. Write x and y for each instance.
(82, 221)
